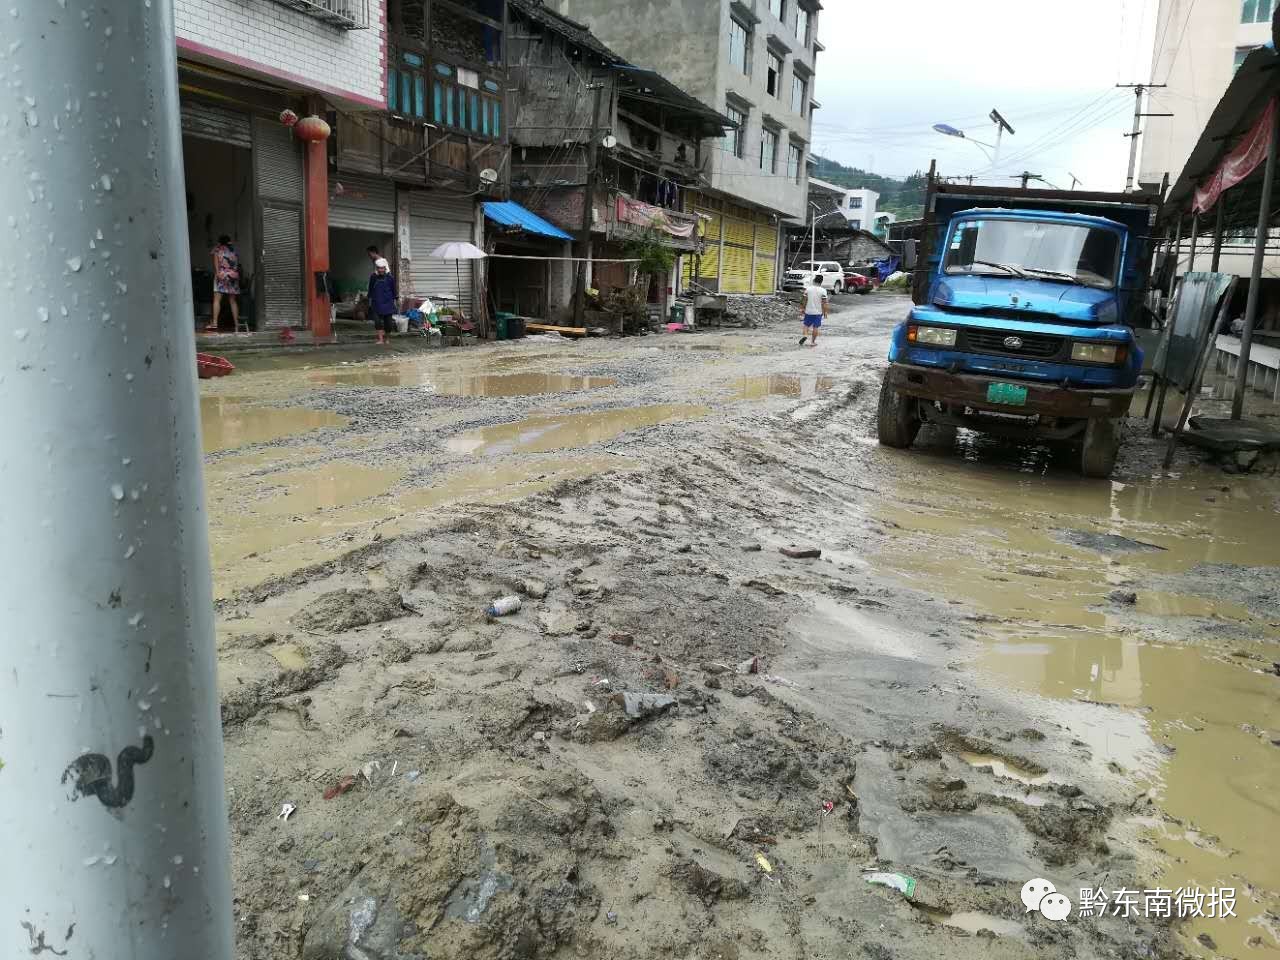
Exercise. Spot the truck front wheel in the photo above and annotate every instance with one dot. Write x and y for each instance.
(1101, 446)
(897, 423)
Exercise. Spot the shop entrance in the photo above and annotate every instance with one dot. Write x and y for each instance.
(362, 214)
(219, 178)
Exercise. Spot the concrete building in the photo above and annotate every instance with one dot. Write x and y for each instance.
(241, 66)
(754, 61)
(302, 212)
(858, 206)
(1199, 45)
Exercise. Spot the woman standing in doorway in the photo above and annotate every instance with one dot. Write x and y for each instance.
(226, 281)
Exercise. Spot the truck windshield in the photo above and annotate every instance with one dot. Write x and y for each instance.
(1033, 248)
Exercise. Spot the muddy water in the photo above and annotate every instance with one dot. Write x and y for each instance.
(232, 422)
(1000, 530)
(461, 385)
(545, 433)
(795, 388)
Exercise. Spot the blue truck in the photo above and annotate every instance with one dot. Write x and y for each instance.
(1025, 303)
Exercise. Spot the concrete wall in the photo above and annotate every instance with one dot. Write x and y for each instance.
(1197, 57)
(688, 41)
(267, 39)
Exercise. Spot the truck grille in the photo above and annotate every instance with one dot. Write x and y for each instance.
(1034, 346)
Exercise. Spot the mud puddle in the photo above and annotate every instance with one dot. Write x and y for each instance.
(988, 533)
(971, 921)
(308, 515)
(1003, 768)
(545, 433)
(228, 423)
(461, 385)
(792, 387)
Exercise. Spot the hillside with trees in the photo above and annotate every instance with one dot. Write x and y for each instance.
(905, 198)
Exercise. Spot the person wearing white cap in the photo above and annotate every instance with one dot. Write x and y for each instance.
(382, 298)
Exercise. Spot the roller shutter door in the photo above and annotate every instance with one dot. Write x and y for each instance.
(739, 240)
(766, 270)
(282, 266)
(209, 122)
(363, 204)
(436, 218)
(277, 169)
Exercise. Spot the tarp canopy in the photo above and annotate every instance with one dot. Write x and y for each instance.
(1246, 99)
(511, 214)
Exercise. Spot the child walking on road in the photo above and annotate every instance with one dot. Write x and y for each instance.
(815, 309)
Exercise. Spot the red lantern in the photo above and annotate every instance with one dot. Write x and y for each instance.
(312, 129)
(288, 118)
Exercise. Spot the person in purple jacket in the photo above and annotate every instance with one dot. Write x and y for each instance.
(382, 298)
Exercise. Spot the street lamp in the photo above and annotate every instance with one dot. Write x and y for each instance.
(813, 231)
(1002, 125)
(949, 131)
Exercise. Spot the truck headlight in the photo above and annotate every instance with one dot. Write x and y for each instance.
(932, 336)
(1099, 353)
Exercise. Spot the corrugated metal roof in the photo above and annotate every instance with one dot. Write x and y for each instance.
(511, 214)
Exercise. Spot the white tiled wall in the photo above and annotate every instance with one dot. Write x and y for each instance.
(266, 37)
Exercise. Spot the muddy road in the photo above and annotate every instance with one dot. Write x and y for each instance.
(687, 743)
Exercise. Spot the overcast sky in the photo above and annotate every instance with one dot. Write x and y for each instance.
(890, 72)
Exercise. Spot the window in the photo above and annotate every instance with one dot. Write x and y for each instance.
(795, 160)
(773, 79)
(855, 203)
(1242, 54)
(802, 23)
(407, 85)
(733, 141)
(799, 93)
(768, 150)
(461, 101)
(739, 41)
(1007, 247)
(777, 8)
(856, 224)
(1256, 11)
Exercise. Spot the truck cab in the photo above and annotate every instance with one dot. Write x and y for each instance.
(1022, 328)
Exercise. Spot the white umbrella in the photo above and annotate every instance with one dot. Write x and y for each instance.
(458, 250)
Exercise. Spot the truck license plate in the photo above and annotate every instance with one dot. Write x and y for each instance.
(1007, 393)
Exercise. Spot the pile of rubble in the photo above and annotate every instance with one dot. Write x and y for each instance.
(762, 311)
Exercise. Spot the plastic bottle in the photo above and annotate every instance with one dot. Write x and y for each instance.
(504, 607)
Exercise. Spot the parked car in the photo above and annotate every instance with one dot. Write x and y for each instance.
(857, 282)
(828, 273)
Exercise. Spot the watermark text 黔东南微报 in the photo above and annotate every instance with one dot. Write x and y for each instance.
(1184, 903)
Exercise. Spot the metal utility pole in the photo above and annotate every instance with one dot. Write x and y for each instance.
(112, 800)
(588, 204)
(1001, 126)
(1026, 177)
(1138, 90)
(1074, 179)
(1255, 279)
(1217, 233)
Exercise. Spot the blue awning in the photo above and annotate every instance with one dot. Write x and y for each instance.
(511, 214)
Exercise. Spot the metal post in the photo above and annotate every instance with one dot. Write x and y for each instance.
(1174, 294)
(588, 203)
(112, 803)
(1218, 224)
(1195, 235)
(1255, 279)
